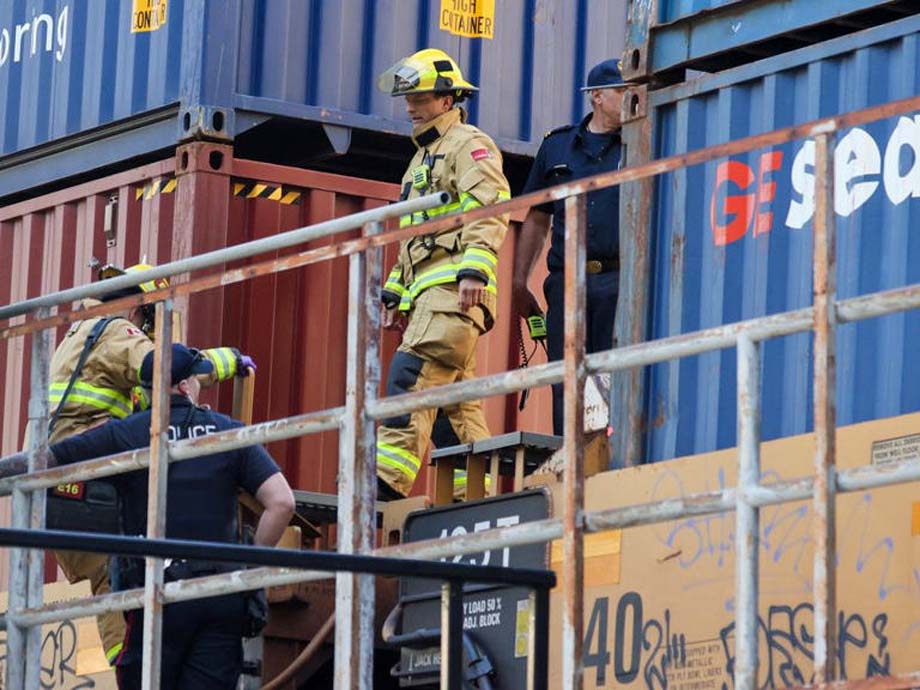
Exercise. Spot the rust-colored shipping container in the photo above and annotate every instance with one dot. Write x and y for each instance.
(293, 323)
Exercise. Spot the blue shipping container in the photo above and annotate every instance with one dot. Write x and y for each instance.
(733, 238)
(86, 83)
(712, 35)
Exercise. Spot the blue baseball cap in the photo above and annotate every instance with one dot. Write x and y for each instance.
(186, 362)
(604, 75)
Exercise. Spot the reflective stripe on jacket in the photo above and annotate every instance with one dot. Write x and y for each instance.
(104, 387)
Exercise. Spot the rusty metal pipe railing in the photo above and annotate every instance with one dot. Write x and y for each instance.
(227, 254)
(540, 531)
(355, 593)
(684, 345)
(26, 576)
(747, 515)
(575, 373)
(179, 451)
(825, 405)
(152, 638)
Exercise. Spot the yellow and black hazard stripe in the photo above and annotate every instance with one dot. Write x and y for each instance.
(165, 185)
(249, 189)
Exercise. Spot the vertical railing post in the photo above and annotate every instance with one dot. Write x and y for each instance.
(452, 635)
(18, 597)
(825, 391)
(574, 385)
(156, 500)
(23, 645)
(538, 648)
(354, 610)
(747, 516)
(39, 414)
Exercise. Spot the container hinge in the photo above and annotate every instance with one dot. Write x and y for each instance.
(110, 221)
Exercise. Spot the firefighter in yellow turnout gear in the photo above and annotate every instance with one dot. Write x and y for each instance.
(103, 390)
(442, 292)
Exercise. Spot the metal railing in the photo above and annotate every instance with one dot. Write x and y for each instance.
(453, 575)
(354, 610)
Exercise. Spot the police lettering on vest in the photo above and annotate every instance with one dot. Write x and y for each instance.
(177, 433)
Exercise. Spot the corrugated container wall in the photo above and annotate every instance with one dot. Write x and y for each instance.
(293, 323)
(74, 74)
(733, 238)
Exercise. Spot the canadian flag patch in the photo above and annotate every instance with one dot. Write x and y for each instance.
(480, 154)
(131, 330)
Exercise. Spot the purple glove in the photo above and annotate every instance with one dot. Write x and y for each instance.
(243, 364)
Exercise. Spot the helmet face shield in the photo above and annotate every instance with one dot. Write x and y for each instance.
(427, 71)
(400, 79)
(406, 79)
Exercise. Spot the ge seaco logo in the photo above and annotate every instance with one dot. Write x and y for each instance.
(744, 198)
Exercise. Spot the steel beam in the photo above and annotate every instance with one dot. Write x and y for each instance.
(627, 404)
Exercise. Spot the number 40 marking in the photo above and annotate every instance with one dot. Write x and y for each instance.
(596, 639)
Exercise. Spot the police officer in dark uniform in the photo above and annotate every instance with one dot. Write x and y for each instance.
(201, 638)
(568, 153)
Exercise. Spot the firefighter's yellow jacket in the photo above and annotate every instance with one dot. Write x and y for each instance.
(460, 159)
(104, 387)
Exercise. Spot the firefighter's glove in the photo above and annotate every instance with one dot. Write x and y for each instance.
(243, 364)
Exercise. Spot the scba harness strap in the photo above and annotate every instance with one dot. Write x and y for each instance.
(88, 345)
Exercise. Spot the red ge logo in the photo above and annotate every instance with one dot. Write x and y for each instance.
(740, 211)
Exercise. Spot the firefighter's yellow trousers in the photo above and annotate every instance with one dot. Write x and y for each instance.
(438, 348)
(94, 567)
(79, 565)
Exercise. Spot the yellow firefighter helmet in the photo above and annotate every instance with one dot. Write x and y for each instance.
(427, 71)
(148, 311)
(111, 271)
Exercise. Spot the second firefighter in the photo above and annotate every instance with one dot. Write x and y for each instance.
(442, 292)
